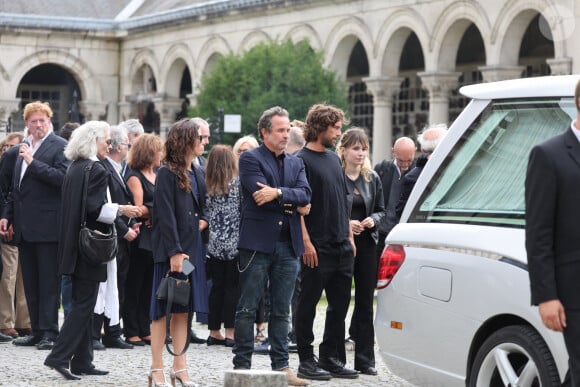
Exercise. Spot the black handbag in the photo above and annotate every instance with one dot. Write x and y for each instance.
(175, 291)
(95, 247)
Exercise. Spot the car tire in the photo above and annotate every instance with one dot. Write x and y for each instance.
(514, 355)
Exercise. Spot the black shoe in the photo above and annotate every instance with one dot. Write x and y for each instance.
(45, 344)
(28, 341)
(137, 343)
(230, 342)
(98, 346)
(309, 369)
(262, 348)
(214, 341)
(367, 370)
(196, 340)
(5, 338)
(116, 343)
(146, 341)
(337, 368)
(63, 371)
(88, 371)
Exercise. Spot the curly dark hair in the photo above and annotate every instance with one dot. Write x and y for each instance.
(319, 118)
(180, 142)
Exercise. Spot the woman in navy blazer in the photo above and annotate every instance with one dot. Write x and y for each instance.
(178, 218)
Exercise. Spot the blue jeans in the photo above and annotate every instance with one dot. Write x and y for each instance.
(281, 268)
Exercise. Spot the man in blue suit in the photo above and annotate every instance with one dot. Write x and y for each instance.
(33, 207)
(276, 193)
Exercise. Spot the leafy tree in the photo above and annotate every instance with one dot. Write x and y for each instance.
(285, 74)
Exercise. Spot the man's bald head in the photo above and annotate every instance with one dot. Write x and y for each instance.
(404, 153)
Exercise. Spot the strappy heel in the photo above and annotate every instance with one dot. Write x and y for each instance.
(174, 375)
(153, 383)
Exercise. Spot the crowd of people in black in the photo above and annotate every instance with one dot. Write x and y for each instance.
(266, 226)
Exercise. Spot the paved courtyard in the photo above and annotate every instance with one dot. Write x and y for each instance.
(23, 366)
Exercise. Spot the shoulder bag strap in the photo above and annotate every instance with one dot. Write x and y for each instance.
(85, 189)
(170, 289)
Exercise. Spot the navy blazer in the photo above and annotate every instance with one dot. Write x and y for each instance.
(175, 216)
(260, 225)
(34, 203)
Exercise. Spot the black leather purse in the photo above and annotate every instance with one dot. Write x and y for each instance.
(95, 247)
(175, 291)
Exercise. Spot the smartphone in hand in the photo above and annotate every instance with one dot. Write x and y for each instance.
(187, 267)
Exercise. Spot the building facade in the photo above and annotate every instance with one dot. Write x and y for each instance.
(403, 60)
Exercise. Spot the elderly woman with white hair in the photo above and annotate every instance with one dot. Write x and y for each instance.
(73, 348)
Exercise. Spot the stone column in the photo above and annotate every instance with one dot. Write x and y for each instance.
(439, 85)
(500, 73)
(560, 66)
(382, 89)
(167, 107)
(93, 110)
(124, 108)
(7, 107)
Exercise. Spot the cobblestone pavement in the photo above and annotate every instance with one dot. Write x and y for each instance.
(23, 366)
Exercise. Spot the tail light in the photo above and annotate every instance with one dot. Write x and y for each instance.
(391, 260)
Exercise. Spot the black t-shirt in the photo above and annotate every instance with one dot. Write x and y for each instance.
(329, 214)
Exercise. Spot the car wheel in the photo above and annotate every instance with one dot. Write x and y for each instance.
(514, 356)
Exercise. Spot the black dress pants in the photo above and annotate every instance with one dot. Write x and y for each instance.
(365, 279)
(333, 275)
(572, 340)
(74, 344)
(41, 286)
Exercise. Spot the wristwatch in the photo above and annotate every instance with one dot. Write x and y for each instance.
(120, 211)
(279, 194)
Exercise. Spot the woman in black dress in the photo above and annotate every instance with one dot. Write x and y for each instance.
(144, 159)
(178, 217)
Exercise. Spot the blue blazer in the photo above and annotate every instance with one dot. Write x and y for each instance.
(260, 225)
(175, 216)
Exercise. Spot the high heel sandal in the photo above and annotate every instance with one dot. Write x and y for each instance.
(173, 375)
(153, 383)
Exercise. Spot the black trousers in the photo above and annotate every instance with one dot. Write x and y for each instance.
(572, 340)
(41, 286)
(74, 344)
(138, 286)
(365, 279)
(224, 294)
(333, 275)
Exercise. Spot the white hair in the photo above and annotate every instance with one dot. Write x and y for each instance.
(133, 126)
(431, 137)
(83, 141)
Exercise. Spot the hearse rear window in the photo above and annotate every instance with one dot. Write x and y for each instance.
(482, 180)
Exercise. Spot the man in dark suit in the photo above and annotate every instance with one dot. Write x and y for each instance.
(552, 190)
(391, 173)
(127, 230)
(274, 186)
(33, 208)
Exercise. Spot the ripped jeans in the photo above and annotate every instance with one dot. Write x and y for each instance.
(280, 268)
